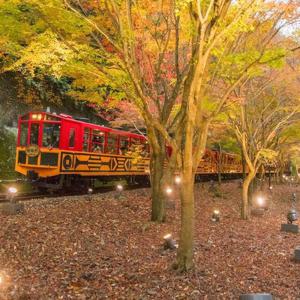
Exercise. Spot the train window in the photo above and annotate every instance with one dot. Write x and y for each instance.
(86, 139)
(146, 149)
(97, 141)
(51, 133)
(124, 144)
(51, 118)
(112, 143)
(34, 133)
(72, 138)
(135, 141)
(23, 134)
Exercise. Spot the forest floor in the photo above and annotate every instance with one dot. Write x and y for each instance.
(106, 248)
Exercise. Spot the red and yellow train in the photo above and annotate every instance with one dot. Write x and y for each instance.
(55, 150)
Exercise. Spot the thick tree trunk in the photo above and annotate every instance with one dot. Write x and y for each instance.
(185, 251)
(245, 201)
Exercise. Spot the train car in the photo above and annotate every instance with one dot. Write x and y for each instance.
(58, 150)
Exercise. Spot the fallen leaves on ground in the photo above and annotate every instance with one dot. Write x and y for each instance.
(106, 248)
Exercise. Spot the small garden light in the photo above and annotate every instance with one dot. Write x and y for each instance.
(89, 194)
(11, 193)
(177, 179)
(215, 216)
(292, 216)
(169, 191)
(260, 201)
(169, 243)
(119, 188)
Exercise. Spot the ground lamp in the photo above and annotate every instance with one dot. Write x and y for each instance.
(215, 216)
(11, 193)
(12, 207)
(261, 202)
(119, 189)
(169, 243)
(169, 191)
(89, 192)
(177, 179)
(292, 216)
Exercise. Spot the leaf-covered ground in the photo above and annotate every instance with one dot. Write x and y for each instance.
(74, 248)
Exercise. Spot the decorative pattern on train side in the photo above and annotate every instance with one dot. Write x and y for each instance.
(90, 163)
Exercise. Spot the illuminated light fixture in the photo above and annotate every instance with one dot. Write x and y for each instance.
(169, 191)
(260, 201)
(11, 193)
(169, 243)
(271, 187)
(90, 191)
(37, 117)
(292, 216)
(12, 190)
(177, 179)
(119, 188)
(215, 216)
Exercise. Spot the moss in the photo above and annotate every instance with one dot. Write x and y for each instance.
(7, 154)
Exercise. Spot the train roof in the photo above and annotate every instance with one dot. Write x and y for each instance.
(38, 116)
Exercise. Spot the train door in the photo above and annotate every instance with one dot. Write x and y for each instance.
(73, 137)
(34, 133)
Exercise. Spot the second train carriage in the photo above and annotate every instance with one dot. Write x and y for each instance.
(55, 149)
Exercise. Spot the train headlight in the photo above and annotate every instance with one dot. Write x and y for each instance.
(36, 117)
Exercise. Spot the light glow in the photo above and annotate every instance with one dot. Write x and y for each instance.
(216, 212)
(167, 236)
(36, 117)
(177, 179)
(12, 190)
(169, 190)
(260, 201)
(119, 187)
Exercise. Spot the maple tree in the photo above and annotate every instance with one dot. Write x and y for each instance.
(261, 122)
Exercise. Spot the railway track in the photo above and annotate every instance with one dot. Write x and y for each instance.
(37, 195)
(100, 190)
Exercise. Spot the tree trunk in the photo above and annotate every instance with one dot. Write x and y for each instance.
(220, 166)
(158, 213)
(185, 251)
(243, 165)
(245, 202)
